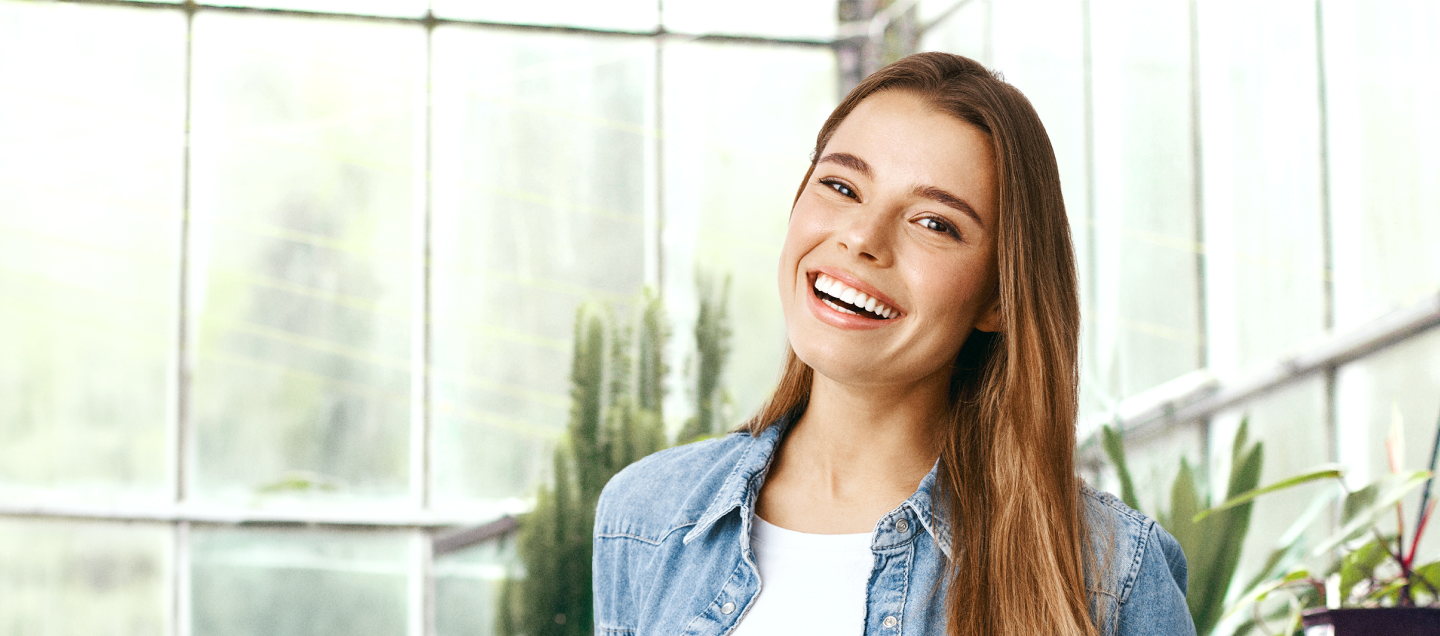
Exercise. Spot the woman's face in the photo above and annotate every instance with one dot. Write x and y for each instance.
(899, 216)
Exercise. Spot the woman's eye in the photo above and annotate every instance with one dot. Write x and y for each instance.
(938, 225)
(840, 187)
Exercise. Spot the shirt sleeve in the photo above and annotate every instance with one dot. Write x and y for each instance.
(1156, 605)
(612, 579)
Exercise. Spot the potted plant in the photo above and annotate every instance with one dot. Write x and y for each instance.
(1375, 586)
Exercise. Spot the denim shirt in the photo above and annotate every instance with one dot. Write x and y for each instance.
(673, 557)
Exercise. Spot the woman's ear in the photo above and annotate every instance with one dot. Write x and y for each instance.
(989, 317)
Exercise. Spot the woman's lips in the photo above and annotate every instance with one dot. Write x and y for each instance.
(845, 303)
(848, 299)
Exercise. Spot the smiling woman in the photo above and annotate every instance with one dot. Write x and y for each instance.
(913, 471)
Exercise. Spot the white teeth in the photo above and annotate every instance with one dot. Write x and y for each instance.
(839, 308)
(851, 296)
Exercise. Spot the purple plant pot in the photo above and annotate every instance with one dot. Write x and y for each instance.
(1379, 621)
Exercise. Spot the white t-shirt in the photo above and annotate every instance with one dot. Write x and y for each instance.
(809, 583)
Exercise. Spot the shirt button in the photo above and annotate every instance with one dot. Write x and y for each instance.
(729, 608)
(902, 526)
(890, 621)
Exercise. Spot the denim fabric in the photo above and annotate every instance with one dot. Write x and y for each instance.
(672, 552)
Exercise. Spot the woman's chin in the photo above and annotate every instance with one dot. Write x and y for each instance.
(850, 369)
(868, 370)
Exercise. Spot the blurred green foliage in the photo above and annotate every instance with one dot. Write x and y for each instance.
(1361, 566)
(617, 391)
(712, 345)
(1378, 572)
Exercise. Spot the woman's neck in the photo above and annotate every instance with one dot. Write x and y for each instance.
(855, 454)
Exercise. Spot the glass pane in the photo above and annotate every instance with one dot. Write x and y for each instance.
(543, 164)
(299, 583)
(965, 31)
(740, 123)
(467, 588)
(91, 145)
(1264, 245)
(80, 579)
(1384, 154)
(1145, 254)
(1154, 461)
(617, 15)
(305, 168)
(809, 19)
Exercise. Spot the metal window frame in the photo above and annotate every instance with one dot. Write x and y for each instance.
(1200, 394)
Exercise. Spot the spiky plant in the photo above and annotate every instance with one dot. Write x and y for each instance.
(712, 348)
(615, 419)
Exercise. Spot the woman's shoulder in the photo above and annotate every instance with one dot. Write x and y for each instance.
(1104, 510)
(1144, 568)
(1131, 539)
(669, 488)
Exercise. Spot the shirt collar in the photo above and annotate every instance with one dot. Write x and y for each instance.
(932, 510)
(743, 483)
(742, 486)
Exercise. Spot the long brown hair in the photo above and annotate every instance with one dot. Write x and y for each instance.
(1019, 552)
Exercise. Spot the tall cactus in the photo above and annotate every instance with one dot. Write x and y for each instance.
(712, 347)
(650, 379)
(554, 544)
(616, 391)
(587, 400)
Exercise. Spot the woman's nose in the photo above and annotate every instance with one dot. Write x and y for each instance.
(868, 235)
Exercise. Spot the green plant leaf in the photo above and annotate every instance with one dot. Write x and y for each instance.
(1260, 592)
(1429, 571)
(1303, 598)
(1316, 474)
(1184, 500)
(1199, 551)
(1427, 575)
(1242, 436)
(1114, 444)
(1364, 507)
(1360, 565)
(1227, 531)
(1357, 501)
(1291, 545)
(1277, 557)
(1389, 593)
(1212, 544)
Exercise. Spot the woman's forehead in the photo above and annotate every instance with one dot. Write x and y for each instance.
(899, 135)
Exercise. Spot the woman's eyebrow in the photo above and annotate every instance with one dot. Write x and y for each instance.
(849, 161)
(945, 198)
(929, 192)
